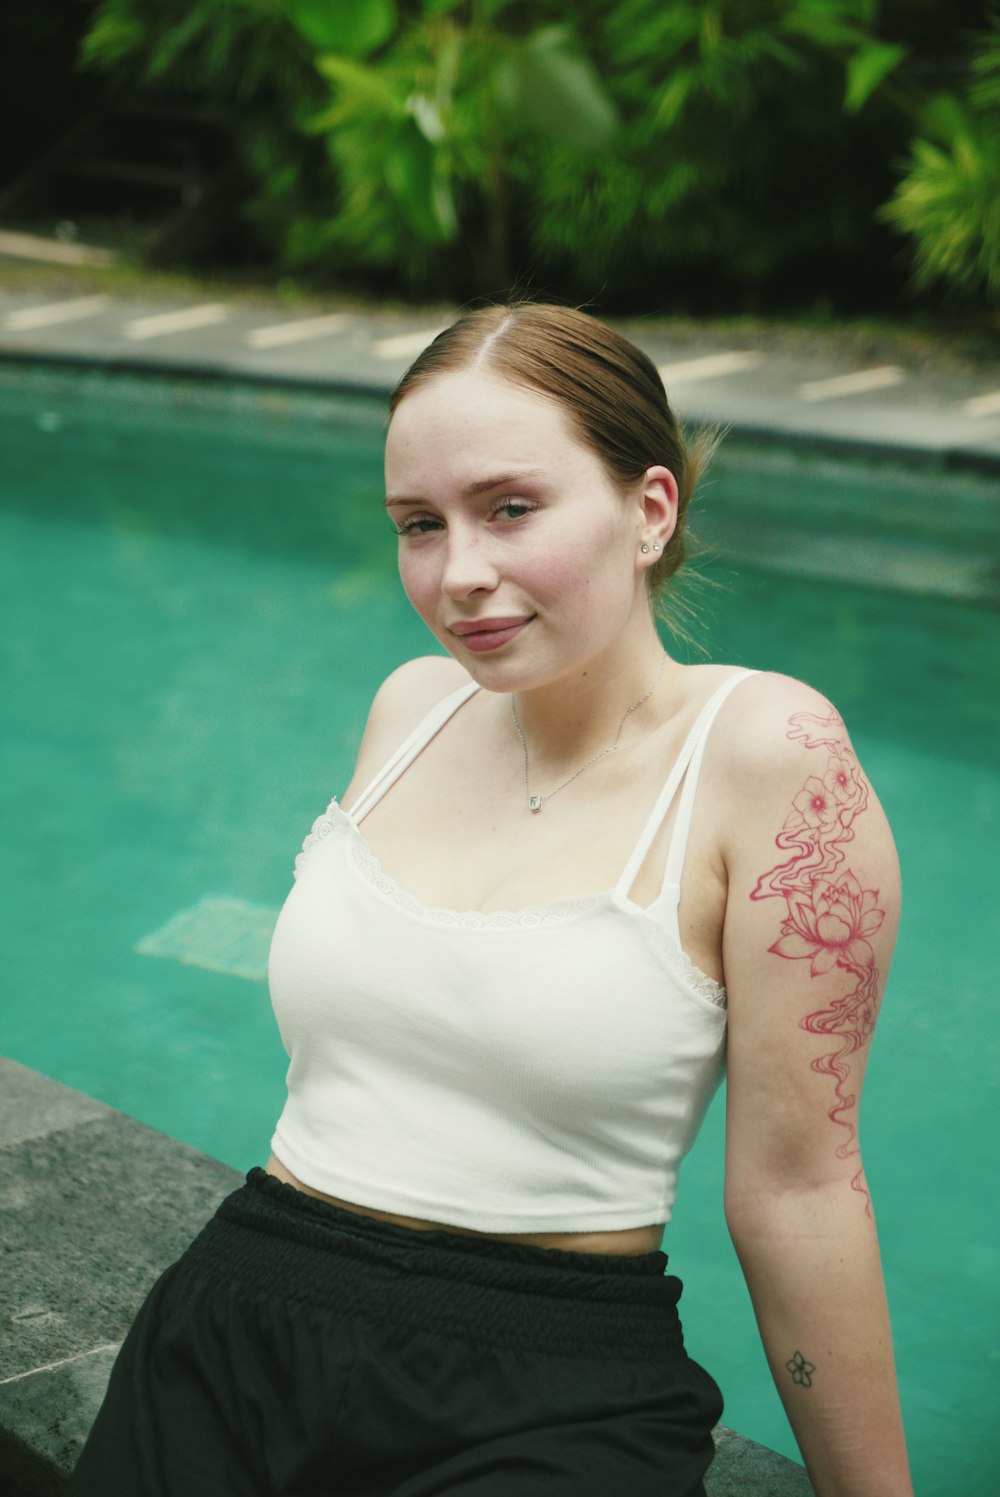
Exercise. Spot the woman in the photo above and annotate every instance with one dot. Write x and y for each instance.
(448, 1279)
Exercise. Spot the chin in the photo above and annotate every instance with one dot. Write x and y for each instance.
(493, 673)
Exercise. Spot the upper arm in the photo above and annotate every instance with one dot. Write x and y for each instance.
(811, 915)
(404, 697)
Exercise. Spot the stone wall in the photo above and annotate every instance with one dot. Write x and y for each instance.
(94, 1206)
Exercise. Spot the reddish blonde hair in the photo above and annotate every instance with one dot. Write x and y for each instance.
(611, 392)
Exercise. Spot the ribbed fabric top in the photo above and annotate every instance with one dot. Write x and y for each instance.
(534, 1070)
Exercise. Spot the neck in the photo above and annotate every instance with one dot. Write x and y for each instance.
(566, 720)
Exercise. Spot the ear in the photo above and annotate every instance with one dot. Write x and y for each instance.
(658, 506)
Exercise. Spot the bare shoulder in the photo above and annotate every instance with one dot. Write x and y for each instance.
(785, 760)
(403, 699)
(414, 687)
(764, 720)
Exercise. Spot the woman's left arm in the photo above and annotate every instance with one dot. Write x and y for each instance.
(812, 909)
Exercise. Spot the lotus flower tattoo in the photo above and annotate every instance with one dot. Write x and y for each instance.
(829, 916)
(830, 925)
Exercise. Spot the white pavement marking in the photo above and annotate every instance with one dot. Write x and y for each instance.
(177, 322)
(62, 1362)
(983, 405)
(53, 251)
(57, 311)
(852, 384)
(404, 345)
(709, 366)
(296, 332)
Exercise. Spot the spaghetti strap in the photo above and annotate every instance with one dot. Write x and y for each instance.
(687, 767)
(408, 750)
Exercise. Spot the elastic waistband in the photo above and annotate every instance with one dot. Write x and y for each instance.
(277, 1242)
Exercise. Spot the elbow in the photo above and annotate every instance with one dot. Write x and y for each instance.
(806, 1205)
(746, 1209)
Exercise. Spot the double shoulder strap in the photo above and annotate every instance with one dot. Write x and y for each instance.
(408, 750)
(687, 768)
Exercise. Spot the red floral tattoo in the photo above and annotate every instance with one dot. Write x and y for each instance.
(829, 916)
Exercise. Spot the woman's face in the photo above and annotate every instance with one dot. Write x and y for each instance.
(516, 548)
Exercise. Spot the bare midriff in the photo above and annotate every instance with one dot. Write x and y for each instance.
(629, 1243)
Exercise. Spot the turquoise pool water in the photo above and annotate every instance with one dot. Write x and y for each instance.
(199, 599)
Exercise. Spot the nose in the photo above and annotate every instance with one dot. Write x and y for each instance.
(468, 565)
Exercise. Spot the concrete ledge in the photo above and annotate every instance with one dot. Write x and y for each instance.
(902, 441)
(95, 1206)
(743, 1469)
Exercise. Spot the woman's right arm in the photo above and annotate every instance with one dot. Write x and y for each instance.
(813, 904)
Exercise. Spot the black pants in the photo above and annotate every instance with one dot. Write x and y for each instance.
(302, 1350)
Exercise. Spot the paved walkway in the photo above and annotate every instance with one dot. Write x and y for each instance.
(880, 393)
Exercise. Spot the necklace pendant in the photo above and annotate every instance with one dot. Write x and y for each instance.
(534, 804)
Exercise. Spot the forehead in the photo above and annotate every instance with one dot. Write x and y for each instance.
(463, 419)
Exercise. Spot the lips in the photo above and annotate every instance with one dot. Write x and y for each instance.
(486, 626)
(488, 634)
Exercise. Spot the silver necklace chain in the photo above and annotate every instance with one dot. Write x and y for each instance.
(536, 802)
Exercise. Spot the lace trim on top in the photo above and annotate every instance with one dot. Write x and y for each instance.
(321, 827)
(371, 869)
(701, 984)
(374, 873)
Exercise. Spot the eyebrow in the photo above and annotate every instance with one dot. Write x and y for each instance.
(481, 486)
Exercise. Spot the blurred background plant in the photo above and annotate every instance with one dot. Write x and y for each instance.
(949, 198)
(717, 154)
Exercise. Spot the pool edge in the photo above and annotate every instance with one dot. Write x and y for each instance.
(949, 458)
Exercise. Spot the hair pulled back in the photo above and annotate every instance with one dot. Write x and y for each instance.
(609, 389)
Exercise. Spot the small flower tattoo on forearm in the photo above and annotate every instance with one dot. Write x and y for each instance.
(801, 1370)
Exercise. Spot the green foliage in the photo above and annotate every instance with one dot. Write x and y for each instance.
(431, 136)
(869, 66)
(352, 26)
(547, 88)
(453, 145)
(949, 200)
(713, 97)
(236, 50)
(246, 59)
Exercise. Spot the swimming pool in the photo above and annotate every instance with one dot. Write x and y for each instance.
(200, 598)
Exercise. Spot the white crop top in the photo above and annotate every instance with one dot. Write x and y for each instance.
(538, 1070)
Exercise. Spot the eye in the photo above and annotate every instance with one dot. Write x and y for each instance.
(417, 525)
(512, 509)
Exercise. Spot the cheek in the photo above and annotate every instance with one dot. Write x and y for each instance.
(420, 573)
(415, 575)
(582, 569)
(549, 576)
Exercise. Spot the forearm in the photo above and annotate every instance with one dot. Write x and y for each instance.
(812, 1266)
